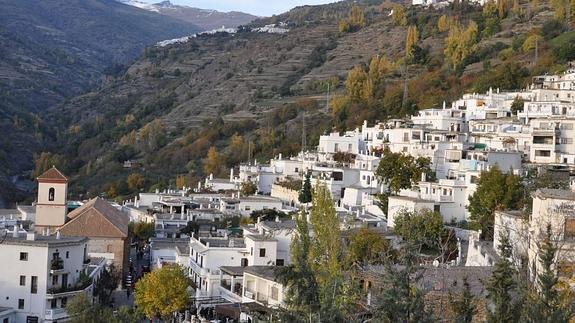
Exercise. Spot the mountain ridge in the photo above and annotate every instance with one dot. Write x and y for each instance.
(207, 19)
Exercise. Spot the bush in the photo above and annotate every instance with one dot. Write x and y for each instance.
(564, 47)
(552, 28)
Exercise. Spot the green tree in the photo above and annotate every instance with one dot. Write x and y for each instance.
(305, 195)
(546, 304)
(106, 284)
(366, 246)
(502, 285)
(422, 228)
(463, 305)
(162, 292)
(302, 297)
(400, 171)
(400, 299)
(495, 191)
(248, 188)
(142, 230)
(517, 105)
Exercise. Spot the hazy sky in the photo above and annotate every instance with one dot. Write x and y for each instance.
(256, 7)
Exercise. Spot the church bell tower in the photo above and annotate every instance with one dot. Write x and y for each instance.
(52, 205)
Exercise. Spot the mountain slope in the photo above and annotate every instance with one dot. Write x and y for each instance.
(204, 18)
(245, 93)
(52, 50)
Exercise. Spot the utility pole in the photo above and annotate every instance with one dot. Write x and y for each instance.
(327, 101)
(303, 135)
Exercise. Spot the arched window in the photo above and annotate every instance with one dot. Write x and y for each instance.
(51, 194)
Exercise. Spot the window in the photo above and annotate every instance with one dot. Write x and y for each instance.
(53, 303)
(34, 285)
(5, 320)
(67, 254)
(569, 233)
(22, 280)
(24, 256)
(262, 252)
(51, 193)
(55, 280)
(64, 302)
(251, 251)
(244, 262)
(275, 293)
(20, 304)
(279, 262)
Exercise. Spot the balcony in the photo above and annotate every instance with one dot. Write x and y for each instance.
(85, 286)
(56, 314)
(197, 269)
(57, 266)
(249, 294)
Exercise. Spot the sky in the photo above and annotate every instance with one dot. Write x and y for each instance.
(255, 7)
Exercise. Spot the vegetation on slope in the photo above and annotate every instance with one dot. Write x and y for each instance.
(192, 109)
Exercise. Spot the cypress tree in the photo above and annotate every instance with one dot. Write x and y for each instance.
(401, 300)
(502, 285)
(463, 305)
(305, 193)
(546, 305)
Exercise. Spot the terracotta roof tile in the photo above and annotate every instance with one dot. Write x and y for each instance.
(53, 174)
(99, 219)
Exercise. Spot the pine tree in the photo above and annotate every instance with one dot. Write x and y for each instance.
(546, 305)
(305, 193)
(463, 306)
(502, 285)
(401, 300)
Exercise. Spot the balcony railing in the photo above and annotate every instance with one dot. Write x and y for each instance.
(56, 265)
(82, 286)
(56, 314)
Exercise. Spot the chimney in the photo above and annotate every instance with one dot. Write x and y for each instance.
(231, 174)
(15, 232)
(58, 235)
(278, 218)
(211, 176)
(31, 236)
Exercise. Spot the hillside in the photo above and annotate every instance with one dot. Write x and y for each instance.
(55, 49)
(203, 18)
(199, 107)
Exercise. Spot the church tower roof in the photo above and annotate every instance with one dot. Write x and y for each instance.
(52, 175)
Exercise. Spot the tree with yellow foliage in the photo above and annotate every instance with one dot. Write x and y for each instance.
(354, 22)
(181, 181)
(443, 23)
(162, 292)
(410, 41)
(212, 163)
(460, 43)
(532, 42)
(399, 17)
(355, 82)
(136, 181)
